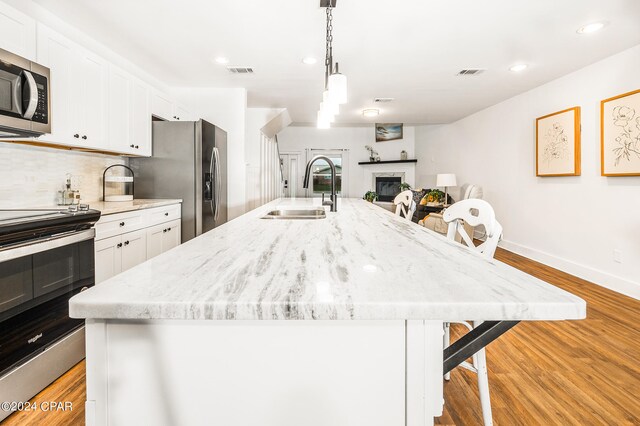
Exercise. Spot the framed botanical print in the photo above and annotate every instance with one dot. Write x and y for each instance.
(558, 143)
(620, 135)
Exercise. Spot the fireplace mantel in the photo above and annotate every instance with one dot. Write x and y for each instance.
(363, 163)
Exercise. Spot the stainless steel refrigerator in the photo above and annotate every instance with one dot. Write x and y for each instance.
(189, 162)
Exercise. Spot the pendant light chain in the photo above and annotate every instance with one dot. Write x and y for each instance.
(328, 61)
(335, 84)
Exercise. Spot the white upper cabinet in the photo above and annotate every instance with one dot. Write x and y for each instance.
(78, 91)
(91, 115)
(95, 105)
(180, 113)
(129, 114)
(119, 110)
(140, 123)
(161, 106)
(57, 53)
(17, 32)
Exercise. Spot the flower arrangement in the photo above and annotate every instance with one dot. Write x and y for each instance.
(373, 154)
(432, 197)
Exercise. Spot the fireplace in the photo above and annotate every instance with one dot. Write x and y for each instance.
(387, 187)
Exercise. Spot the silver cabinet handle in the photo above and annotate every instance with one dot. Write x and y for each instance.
(32, 99)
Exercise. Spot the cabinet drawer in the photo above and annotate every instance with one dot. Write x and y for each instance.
(164, 214)
(111, 225)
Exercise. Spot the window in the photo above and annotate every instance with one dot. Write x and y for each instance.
(321, 175)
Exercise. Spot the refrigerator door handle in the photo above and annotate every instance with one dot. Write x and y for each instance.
(212, 167)
(218, 178)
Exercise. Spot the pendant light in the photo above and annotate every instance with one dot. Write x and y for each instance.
(338, 87)
(328, 100)
(335, 83)
(323, 122)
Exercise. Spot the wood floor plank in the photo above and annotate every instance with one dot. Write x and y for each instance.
(552, 373)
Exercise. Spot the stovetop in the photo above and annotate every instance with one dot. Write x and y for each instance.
(18, 226)
(8, 217)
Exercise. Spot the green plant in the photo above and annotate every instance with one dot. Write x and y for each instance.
(404, 186)
(370, 196)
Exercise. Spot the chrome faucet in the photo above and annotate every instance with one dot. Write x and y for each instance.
(334, 197)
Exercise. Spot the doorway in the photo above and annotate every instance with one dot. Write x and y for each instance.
(290, 162)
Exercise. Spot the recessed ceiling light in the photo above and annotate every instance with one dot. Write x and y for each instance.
(518, 67)
(372, 112)
(221, 60)
(309, 60)
(591, 28)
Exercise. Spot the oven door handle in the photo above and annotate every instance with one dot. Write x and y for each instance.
(31, 95)
(46, 243)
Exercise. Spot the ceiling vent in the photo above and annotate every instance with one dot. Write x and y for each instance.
(471, 71)
(383, 100)
(240, 70)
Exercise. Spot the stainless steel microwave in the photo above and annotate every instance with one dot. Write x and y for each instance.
(25, 104)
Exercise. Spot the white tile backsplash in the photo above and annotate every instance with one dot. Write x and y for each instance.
(31, 176)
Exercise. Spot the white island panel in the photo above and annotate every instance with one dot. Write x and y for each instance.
(250, 373)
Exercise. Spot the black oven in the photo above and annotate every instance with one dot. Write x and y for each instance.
(24, 97)
(46, 257)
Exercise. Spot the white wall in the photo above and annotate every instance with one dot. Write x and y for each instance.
(572, 223)
(31, 176)
(297, 139)
(226, 108)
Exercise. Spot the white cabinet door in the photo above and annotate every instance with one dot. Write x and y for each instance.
(163, 237)
(129, 114)
(161, 106)
(17, 32)
(57, 53)
(91, 114)
(155, 236)
(171, 238)
(134, 248)
(78, 91)
(180, 113)
(140, 124)
(119, 110)
(108, 258)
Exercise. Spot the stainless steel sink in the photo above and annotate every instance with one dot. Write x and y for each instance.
(296, 214)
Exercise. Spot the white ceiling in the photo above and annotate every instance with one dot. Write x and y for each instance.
(407, 49)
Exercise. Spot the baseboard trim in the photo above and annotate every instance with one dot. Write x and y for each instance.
(596, 276)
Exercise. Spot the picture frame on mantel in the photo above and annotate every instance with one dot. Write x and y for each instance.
(558, 143)
(389, 131)
(620, 135)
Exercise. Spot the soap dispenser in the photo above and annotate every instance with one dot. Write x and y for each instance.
(65, 197)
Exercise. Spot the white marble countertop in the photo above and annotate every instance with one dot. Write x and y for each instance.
(360, 263)
(112, 207)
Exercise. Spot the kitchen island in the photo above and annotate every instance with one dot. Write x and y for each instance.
(334, 321)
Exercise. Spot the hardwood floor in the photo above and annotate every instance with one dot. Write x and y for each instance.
(540, 373)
